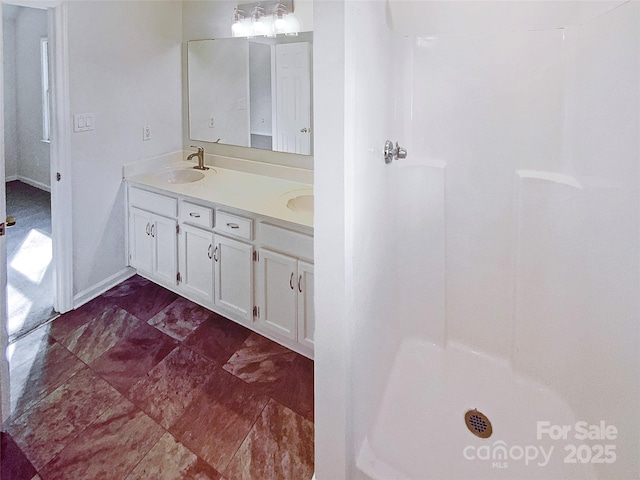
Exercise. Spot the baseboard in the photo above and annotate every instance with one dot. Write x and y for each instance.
(33, 183)
(11, 178)
(95, 291)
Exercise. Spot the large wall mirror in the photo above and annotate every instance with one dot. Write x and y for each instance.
(252, 92)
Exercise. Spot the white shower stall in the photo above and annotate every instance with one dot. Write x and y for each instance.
(498, 266)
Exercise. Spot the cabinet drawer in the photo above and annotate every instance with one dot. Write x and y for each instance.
(196, 214)
(286, 241)
(234, 225)
(153, 202)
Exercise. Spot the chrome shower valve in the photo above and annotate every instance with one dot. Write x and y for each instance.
(391, 153)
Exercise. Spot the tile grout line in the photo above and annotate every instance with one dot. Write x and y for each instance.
(11, 420)
(151, 447)
(82, 430)
(224, 472)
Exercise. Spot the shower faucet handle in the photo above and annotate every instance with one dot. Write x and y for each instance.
(400, 152)
(391, 153)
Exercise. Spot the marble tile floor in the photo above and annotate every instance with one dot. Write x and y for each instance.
(143, 384)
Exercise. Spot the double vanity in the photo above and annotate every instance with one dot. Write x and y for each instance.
(237, 242)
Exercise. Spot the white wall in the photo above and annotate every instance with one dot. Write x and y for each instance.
(578, 277)
(9, 13)
(124, 66)
(26, 155)
(33, 153)
(513, 225)
(332, 337)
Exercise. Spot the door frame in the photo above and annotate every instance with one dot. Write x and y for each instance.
(61, 190)
(61, 201)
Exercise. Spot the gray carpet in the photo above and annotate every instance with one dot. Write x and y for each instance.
(29, 267)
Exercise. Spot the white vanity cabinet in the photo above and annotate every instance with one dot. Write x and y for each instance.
(234, 277)
(196, 263)
(249, 268)
(306, 310)
(216, 271)
(284, 285)
(277, 291)
(153, 235)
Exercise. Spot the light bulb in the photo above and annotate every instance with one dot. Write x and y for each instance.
(293, 25)
(237, 30)
(280, 25)
(259, 27)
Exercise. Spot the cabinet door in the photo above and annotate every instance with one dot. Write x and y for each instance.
(140, 241)
(306, 312)
(234, 276)
(278, 293)
(165, 241)
(196, 263)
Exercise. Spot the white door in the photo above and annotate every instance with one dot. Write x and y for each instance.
(293, 98)
(278, 293)
(196, 263)
(165, 242)
(4, 337)
(234, 276)
(60, 192)
(306, 315)
(4, 364)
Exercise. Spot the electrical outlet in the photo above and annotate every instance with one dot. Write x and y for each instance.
(146, 133)
(212, 122)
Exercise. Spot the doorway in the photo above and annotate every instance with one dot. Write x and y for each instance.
(30, 280)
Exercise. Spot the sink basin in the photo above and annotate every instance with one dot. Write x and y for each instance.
(301, 204)
(181, 176)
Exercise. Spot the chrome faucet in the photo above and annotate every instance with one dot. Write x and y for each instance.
(200, 155)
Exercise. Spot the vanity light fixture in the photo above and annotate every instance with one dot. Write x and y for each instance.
(241, 24)
(267, 18)
(280, 19)
(259, 22)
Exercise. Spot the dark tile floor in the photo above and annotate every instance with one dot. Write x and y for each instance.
(143, 384)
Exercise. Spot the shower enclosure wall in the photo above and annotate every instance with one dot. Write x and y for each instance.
(512, 228)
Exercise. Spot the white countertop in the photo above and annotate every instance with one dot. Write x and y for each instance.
(254, 193)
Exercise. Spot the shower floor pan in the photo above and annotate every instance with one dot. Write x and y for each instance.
(420, 433)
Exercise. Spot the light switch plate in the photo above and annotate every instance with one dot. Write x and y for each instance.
(83, 122)
(146, 133)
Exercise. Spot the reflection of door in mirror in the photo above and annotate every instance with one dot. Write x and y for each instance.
(293, 95)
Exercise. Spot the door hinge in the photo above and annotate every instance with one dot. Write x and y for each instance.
(177, 229)
(179, 277)
(2, 229)
(256, 312)
(256, 257)
(58, 176)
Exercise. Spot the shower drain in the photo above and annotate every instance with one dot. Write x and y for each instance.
(478, 423)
